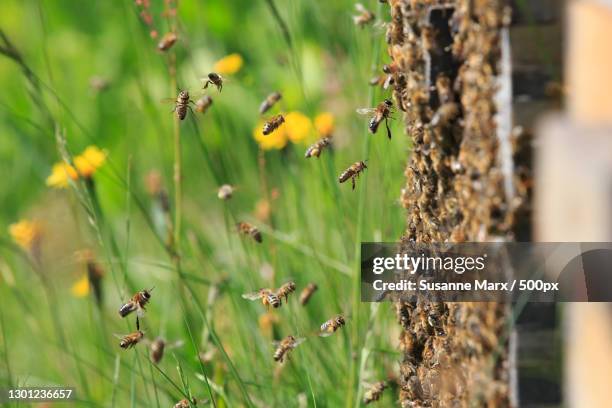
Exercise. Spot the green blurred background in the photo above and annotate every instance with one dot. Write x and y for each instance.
(312, 226)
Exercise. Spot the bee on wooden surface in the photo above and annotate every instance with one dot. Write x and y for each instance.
(137, 302)
(272, 124)
(352, 172)
(307, 293)
(285, 290)
(249, 229)
(374, 392)
(203, 104)
(130, 340)
(269, 102)
(214, 79)
(317, 147)
(167, 41)
(330, 326)
(159, 346)
(267, 296)
(380, 113)
(225, 192)
(284, 346)
(364, 17)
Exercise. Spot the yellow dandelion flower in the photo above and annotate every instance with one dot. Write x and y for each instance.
(324, 123)
(275, 140)
(229, 64)
(89, 161)
(80, 287)
(26, 233)
(298, 126)
(60, 174)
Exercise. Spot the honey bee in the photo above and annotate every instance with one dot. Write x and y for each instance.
(273, 124)
(158, 346)
(352, 172)
(364, 17)
(167, 41)
(378, 80)
(330, 326)
(374, 393)
(249, 229)
(381, 112)
(225, 192)
(137, 302)
(285, 290)
(130, 340)
(285, 346)
(307, 293)
(182, 104)
(269, 102)
(445, 114)
(214, 79)
(203, 104)
(317, 147)
(267, 297)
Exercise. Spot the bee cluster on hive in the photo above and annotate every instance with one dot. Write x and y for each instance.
(444, 66)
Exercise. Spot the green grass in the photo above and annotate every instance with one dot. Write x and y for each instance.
(313, 233)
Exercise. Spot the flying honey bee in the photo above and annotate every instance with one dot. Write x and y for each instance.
(214, 79)
(272, 124)
(352, 172)
(285, 346)
(285, 290)
(159, 346)
(182, 104)
(203, 104)
(380, 112)
(137, 302)
(330, 326)
(317, 147)
(184, 403)
(374, 392)
(269, 102)
(167, 41)
(130, 340)
(267, 297)
(225, 192)
(307, 293)
(249, 229)
(364, 17)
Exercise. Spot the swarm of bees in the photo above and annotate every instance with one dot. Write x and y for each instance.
(250, 230)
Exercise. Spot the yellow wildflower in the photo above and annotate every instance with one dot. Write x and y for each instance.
(60, 173)
(297, 126)
(89, 161)
(275, 140)
(81, 287)
(26, 233)
(324, 123)
(229, 64)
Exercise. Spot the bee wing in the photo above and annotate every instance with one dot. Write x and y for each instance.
(119, 336)
(167, 100)
(175, 344)
(366, 111)
(252, 295)
(360, 8)
(325, 334)
(298, 341)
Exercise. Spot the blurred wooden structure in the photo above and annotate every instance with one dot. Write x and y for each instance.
(574, 190)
